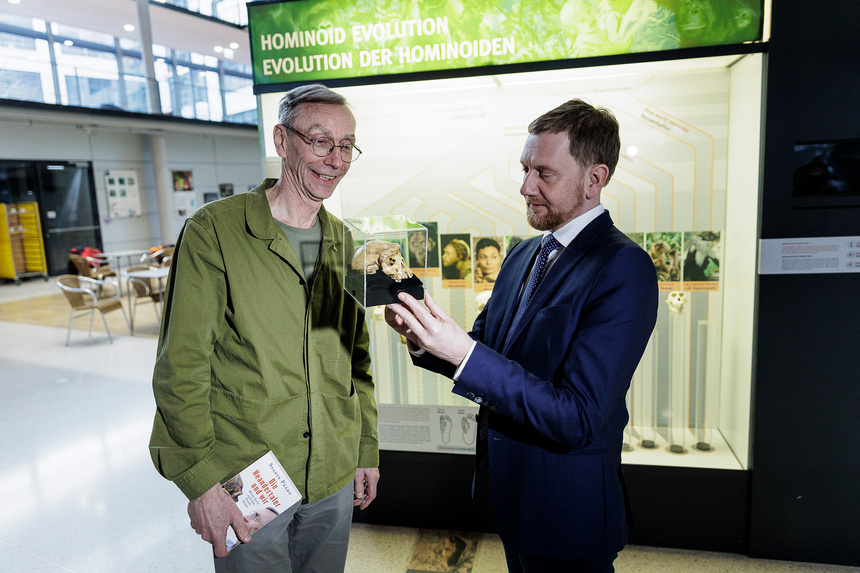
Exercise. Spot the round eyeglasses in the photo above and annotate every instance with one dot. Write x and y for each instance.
(323, 147)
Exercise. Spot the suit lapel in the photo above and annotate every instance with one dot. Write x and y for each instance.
(561, 272)
(521, 264)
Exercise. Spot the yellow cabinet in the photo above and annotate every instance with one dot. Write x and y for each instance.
(22, 251)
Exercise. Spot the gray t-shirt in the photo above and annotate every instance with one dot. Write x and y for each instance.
(306, 244)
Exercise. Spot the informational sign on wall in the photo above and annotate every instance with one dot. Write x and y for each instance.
(811, 255)
(123, 193)
(439, 429)
(317, 40)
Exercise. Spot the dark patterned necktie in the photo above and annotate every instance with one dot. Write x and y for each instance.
(550, 243)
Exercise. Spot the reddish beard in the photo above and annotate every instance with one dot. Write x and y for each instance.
(555, 218)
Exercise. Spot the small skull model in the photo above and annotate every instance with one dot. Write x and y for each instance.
(381, 255)
(676, 301)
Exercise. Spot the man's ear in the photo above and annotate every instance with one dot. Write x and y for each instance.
(597, 176)
(279, 135)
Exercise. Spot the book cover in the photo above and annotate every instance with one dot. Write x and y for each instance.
(261, 491)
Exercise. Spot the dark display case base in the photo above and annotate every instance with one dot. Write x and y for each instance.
(381, 289)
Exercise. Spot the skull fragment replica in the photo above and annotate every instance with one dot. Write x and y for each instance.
(381, 255)
(676, 301)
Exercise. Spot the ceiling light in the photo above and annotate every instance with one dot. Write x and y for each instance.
(68, 43)
(234, 45)
(632, 151)
(14, 1)
(219, 49)
(228, 54)
(128, 28)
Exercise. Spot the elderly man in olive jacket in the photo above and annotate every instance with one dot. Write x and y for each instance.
(261, 349)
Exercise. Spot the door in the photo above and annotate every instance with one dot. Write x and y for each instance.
(67, 202)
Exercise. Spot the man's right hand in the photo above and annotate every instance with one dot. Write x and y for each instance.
(212, 513)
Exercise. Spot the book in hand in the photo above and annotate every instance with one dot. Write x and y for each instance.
(261, 491)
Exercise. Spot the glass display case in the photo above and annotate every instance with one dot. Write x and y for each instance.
(685, 189)
(374, 267)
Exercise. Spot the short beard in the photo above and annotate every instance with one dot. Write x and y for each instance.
(546, 223)
(553, 220)
(556, 219)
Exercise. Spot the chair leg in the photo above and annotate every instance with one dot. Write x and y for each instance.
(127, 323)
(131, 311)
(104, 321)
(73, 315)
(69, 331)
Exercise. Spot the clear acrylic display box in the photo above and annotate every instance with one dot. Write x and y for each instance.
(374, 259)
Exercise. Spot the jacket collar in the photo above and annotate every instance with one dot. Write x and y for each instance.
(262, 224)
(562, 268)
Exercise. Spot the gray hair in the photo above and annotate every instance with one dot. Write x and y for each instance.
(292, 101)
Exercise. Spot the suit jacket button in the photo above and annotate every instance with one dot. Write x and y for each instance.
(470, 395)
(479, 400)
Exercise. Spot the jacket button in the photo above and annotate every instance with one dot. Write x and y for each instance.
(470, 395)
(306, 435)
(479, 400)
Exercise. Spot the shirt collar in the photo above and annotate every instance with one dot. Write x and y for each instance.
(572, 228)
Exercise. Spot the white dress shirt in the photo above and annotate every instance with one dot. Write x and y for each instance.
(565, 236)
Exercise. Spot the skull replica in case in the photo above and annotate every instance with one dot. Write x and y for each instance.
(383, 255)
(379, 271)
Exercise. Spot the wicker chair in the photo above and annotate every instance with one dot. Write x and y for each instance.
(86, 296)
(143, 290)
(91, 268)
(159, 258)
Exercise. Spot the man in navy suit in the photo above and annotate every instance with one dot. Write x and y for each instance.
(551, 357)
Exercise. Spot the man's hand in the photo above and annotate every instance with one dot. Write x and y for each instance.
(212, 513)
(365, 486)
(429, 328)
(395, 322)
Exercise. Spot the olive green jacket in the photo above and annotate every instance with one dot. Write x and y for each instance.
(251, 358)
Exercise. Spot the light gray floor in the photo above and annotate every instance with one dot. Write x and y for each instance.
(80, 493)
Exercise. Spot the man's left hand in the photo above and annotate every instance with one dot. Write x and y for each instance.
(365, 486)
(429, 327)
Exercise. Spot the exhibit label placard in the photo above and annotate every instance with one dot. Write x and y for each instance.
(434, 429)
(811, 255)
(318, 40)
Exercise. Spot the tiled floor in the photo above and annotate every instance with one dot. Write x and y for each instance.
(80, 493)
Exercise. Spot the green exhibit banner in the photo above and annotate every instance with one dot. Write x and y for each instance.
(317, 40)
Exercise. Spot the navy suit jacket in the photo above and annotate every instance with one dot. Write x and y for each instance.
(557, 399)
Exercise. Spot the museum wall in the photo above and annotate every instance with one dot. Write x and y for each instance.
(805, 443)
(215, 155)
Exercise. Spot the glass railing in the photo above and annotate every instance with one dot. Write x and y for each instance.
(56, 64)
(233, 11)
